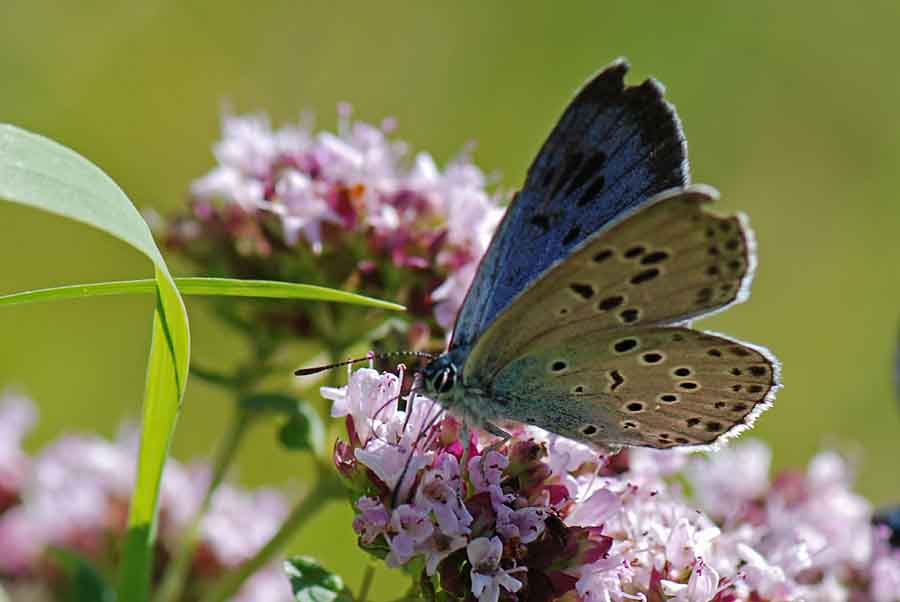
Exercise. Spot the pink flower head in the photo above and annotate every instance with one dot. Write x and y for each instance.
(17, 415)
(240, 522)
(388, 222)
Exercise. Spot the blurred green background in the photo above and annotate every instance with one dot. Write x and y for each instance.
(790, 110)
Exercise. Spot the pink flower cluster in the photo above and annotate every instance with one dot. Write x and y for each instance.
(545, 518)
(354, 193)
(74, 495)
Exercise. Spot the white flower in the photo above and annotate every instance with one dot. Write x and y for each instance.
(726, 480)
(301, 209)
(770, 581)
(487, 575)
(439, 492)
(595, 510)
(702, 585)
(886, 579)
(439, 547)
(412, 527)
(369, 393)
(526, 524)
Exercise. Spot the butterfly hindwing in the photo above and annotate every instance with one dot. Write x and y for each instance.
(666, 262)
(657, 386)
(613, 148)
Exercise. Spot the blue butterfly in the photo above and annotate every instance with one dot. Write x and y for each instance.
(577, 320)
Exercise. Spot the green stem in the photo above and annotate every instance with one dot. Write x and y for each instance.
(328, 487)
(366, 583)
(173, 583)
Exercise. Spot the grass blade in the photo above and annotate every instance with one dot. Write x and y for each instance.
(43, 174)
(228, 287)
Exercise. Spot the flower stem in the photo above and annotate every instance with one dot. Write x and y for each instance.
(368, 577)
(172, 586)
(328, 487)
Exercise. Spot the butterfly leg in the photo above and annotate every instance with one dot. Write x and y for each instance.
(495, 430)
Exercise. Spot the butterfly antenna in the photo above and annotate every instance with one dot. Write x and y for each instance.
(369, 357)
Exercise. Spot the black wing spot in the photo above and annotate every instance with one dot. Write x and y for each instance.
(688, 385)
(714, 353)
(611, 303)
(668, 398)
(720, 405)
(755, 389)
(712, 270)
(571, 235)
(644, 276)
(592, 191)
(617, 380)
(736, 388)
(652, 357)
(692, 422)
(635, 407)
(603, 255)
(713, 427)
(585, 291)
(542, 221)
(704, 296)
(740, 351)
(732, 244)
(635, 251)
(589, 429)
(682, 371)
(629, 424)
(736, 371)
(588, 168)
(558, 366)
(625, 345)
(681, 441)
(654, 257)
(629, 315)
(739, 407)
(757, 370)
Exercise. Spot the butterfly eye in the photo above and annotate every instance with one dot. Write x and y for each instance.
(445, 380)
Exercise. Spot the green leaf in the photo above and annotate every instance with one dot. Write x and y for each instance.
(83, 583)
(225, 287)
(302, 431)
(43, 174)
(313, 583)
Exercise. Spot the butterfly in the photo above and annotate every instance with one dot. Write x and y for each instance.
(578, 318)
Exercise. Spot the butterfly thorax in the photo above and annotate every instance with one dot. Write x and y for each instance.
(445, 382)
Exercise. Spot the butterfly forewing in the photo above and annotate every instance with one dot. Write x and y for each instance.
(614, 147)
(652, 386)
(667, 262)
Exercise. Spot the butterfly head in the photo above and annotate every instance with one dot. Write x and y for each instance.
(440, 376)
